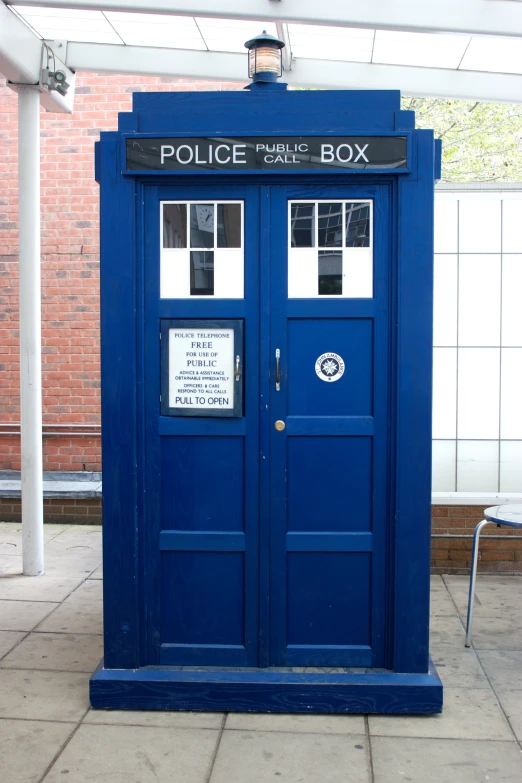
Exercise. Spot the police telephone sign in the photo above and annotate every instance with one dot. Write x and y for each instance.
(201, 368)
(266, 153)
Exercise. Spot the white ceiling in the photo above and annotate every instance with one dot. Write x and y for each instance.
(426, 50)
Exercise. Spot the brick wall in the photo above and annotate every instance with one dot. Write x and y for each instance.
(70, 261)
(453, 555)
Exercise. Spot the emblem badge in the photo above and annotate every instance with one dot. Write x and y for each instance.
(329, 367)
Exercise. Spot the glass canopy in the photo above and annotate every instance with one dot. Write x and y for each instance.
(426, 50)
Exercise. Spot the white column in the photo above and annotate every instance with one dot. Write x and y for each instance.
(30, 329)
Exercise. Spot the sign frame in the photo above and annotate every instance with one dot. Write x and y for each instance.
(236, 325)
(234, 171)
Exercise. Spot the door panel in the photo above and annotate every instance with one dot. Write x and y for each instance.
(328, 479)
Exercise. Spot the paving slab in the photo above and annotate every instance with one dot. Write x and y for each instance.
(74, 617)
(135, 754)
(72, 562)
(28, 747)
(56, 651)
(159, 718)
(12, 531)
(462, 580)
(98, 574)
(8, 640)
(38, 588)
(56, 696)
(503, 667)
(10, 564)
(268, 756)
(511, 702)
(446, 631)
(503, 632)
(445, 761)
(307, 724)
(441, 604)
(467, 714)
(87, 592)
(458, 667)
(23, 615)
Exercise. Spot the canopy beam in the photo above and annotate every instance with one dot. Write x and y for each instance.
(481, 17)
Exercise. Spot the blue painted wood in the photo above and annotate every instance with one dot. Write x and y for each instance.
(119, 415)
(337, 482)
(267, 691)
(215, 427)
(266, 381)
(202, 484)
(200, 654)
(414, 386)
(204, 602)
(205, 474)
(201, 541)
(329, 542)
(329, 425)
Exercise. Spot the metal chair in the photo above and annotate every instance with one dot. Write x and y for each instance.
(509, 515)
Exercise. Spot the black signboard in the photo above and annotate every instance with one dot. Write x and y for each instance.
(266, 153)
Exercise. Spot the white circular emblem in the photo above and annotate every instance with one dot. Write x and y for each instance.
(329, 367)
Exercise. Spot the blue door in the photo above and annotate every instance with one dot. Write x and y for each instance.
(265, 532)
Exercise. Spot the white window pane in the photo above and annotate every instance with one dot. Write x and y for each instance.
(512, 226)
(478, 392)
(358, 273)
(479, 226)
(446, 225)
(479, 300)
(511, 394)
(228, 274)
(444, 392)
(302, 273)
(511, 309)
(445, 300)
(510, 466)
(477, 466)
(175, 274)
(443, 466)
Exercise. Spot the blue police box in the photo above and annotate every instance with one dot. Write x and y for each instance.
(266, 318)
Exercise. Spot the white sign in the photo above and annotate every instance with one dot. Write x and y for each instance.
(329, 367)
(201, 368)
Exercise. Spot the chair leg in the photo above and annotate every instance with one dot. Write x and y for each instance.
(473, 578)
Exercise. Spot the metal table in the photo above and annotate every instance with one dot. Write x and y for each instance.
(509, 515)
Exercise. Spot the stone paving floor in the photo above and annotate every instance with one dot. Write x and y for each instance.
(50, 642)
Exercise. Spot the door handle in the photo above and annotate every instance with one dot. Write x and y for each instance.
(237, 371)
(277, 372)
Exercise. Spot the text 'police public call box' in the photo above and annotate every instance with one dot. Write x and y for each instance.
(266, 281)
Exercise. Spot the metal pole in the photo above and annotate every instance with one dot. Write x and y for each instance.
(473, 579)
(30, 329)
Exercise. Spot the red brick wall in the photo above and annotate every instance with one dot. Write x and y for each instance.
(70, 261)
(453, 555)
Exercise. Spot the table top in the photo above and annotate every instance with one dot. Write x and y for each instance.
(508, 514)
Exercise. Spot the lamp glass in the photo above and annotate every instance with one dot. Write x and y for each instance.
(264, 59)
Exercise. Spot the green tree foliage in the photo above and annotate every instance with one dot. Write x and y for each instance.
(481, 142)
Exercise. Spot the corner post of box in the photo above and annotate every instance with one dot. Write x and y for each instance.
(413, 389)
(119, 407)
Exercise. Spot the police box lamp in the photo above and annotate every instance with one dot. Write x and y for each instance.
(264, 58)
